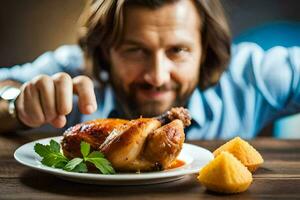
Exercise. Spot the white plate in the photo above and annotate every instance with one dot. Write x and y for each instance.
(195, 158)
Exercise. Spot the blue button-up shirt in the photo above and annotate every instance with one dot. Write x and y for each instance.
(258, 87)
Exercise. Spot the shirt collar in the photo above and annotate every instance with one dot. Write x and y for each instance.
(106, 104)
(109, 104)
(196, 108)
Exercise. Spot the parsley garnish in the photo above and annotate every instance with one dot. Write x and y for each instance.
(52, 157)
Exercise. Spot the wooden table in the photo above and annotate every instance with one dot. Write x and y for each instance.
(278, 178)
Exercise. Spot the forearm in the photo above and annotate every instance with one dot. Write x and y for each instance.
(7, 122)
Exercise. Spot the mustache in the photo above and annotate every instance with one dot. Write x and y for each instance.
(162, 88)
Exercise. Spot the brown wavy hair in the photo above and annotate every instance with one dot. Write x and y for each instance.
(101, 27)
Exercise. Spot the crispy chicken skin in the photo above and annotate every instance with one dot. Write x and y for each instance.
(143, 144)
(93, 132)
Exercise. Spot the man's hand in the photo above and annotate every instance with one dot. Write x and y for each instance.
(48, 99)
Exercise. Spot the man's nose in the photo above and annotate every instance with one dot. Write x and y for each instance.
(159, 70)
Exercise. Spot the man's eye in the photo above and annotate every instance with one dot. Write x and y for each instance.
(135, 50)
(177, 50)
(178, 53)
(136, 53)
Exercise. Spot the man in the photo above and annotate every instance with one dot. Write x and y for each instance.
(148, 56)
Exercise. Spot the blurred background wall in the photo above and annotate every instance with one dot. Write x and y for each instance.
(30, 27)
(246, 14)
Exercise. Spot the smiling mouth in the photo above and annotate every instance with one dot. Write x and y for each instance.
(148, 92)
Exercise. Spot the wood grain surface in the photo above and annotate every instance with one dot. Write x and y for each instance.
(278, 178)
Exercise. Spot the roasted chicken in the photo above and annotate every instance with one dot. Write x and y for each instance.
(144, 144)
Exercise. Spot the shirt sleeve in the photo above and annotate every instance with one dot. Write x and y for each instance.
(277, 77)
(66, 58)
(266, 84)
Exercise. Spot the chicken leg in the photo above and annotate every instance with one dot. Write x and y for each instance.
(143, 144)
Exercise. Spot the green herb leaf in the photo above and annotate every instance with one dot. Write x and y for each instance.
(102, 164)
(54, 146)
(72, 164)
(52, 157)
(95, 154)
(42, 150)
(51, 154)
(85, 148)
(53, 160)
(81, 168)
(61, 164)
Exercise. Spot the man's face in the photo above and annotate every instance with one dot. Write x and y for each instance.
(157, 63)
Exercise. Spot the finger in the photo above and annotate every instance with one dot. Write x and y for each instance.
(34, 116)
(84, 88)
(45, 87)
(63, 93)
(59, 121)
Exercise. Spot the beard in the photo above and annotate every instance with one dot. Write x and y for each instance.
(133, 107)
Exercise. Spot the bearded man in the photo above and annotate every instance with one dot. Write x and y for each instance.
(142, 57)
